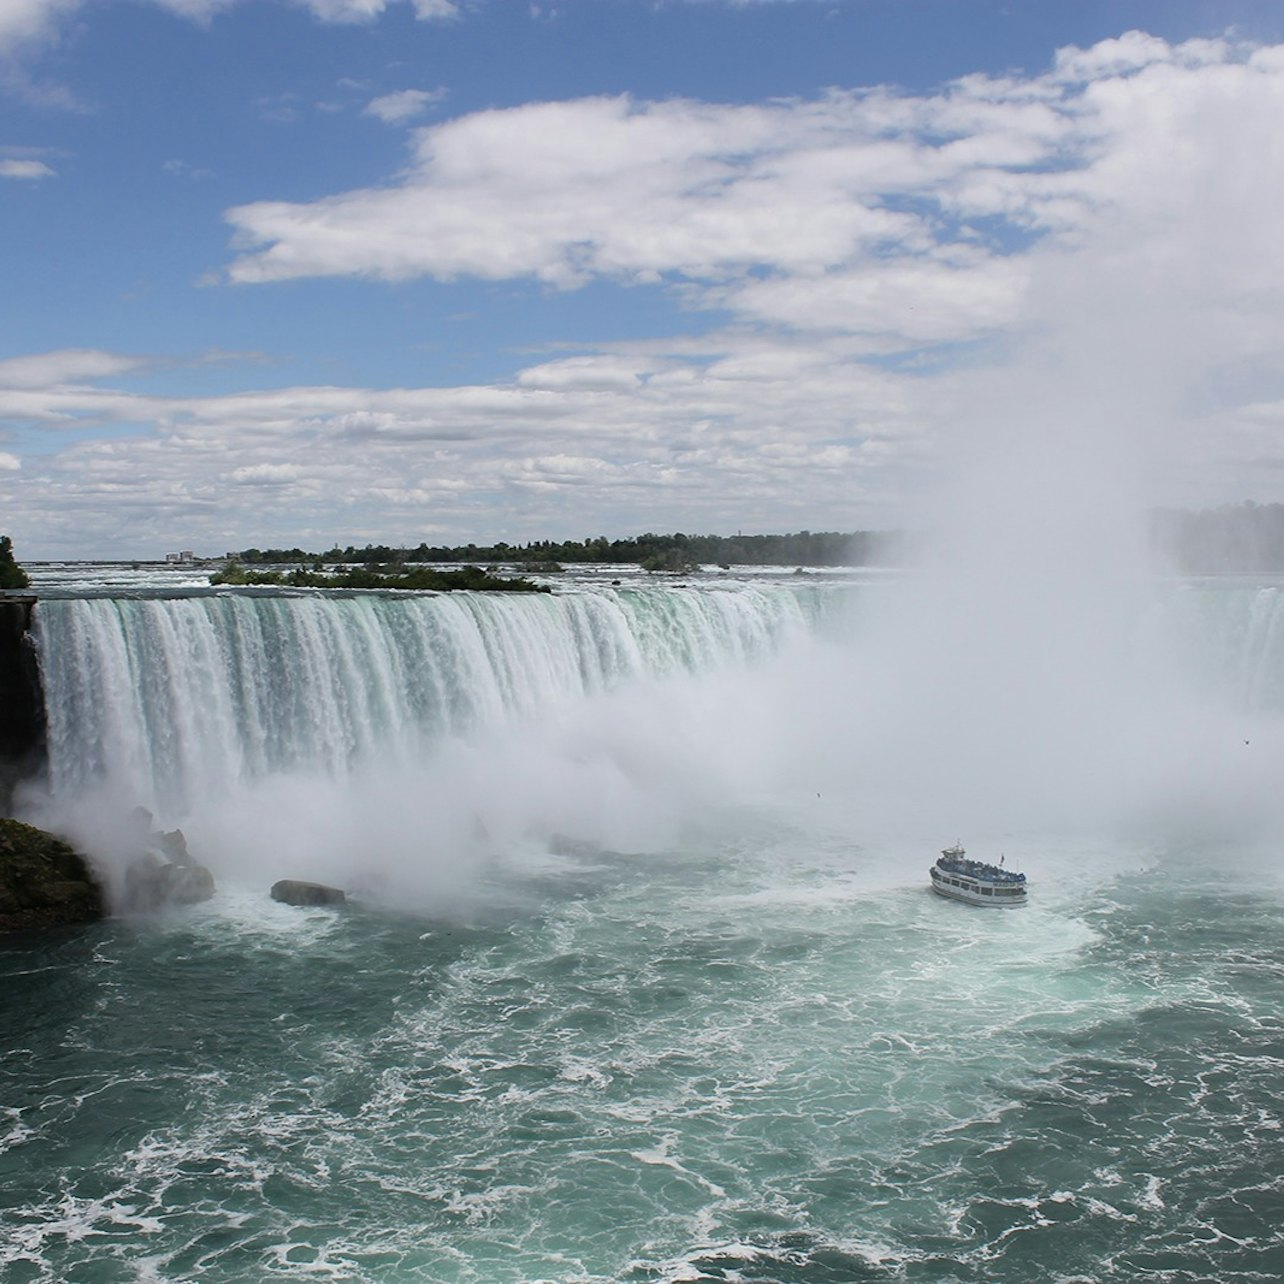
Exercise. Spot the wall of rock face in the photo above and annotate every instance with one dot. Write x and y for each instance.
(22, 705)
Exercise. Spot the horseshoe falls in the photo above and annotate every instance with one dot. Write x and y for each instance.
(640, 979)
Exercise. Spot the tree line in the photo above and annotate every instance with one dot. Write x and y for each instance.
(1246, 537)
(659, 552)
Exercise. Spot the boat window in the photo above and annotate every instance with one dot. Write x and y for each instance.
(987, 891)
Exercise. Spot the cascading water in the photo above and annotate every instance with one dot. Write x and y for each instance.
(1232, 632)
(391, 739)
(175, 699)
(178, 698)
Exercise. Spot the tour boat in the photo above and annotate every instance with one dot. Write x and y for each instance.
(976, 882)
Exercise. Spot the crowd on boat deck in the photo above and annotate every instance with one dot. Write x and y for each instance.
(977, 869)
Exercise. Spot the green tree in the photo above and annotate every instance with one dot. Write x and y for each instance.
(12, 576)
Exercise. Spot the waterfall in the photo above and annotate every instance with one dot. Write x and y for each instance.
(349, 735)
(1231, 632)
(179, 698)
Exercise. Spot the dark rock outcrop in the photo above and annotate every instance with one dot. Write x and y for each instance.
(152, 883)
(292, 892)
(43, 881)
(165, 874)
(22, 703)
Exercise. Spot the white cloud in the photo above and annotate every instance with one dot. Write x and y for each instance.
(23, 21)
(564, 191)
(196, 10)
(28, 22)
(404, 105)
(28, 169)
(642, 437)
(70, 365)
(181, 169)
(896, 303)
(1129, 52)
(351, 11)
(1111, 224)
(910, 220)
(1091, 250)
(9, 463)
(345, 10)
(265, 474)
(593, 374)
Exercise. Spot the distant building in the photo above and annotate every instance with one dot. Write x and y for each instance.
(185, 558)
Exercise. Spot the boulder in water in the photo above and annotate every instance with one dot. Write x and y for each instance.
(174, 846)
(154, 881)
(164, 875)
(290, 891)
(43, 882)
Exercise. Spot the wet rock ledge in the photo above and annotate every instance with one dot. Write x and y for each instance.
(43, 882)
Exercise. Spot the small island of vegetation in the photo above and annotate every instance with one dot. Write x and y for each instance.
(416, 578)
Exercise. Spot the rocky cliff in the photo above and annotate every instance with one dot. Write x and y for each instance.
(43, 882)
(22, 706)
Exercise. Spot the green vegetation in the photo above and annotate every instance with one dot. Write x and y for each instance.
(805, 548)
(467, 577)
(43, 882)
(674, 561)
(12, 576)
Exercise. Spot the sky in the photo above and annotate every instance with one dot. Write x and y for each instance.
(316, 272)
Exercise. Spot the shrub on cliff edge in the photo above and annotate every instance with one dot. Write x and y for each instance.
(12, 576)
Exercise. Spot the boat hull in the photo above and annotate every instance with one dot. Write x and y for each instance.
(975, 891)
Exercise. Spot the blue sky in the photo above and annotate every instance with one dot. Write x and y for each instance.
(388, 271)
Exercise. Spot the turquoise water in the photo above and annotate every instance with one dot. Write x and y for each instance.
(729, 1062)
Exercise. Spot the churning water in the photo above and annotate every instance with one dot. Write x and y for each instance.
(643, 982)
